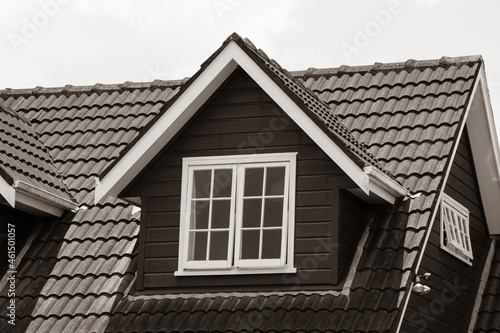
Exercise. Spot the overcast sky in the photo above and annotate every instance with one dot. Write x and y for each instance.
(82, 42)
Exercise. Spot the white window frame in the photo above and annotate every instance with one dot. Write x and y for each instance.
(233, 265)
(455, 224)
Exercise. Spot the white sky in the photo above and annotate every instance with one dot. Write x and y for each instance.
(82, 42)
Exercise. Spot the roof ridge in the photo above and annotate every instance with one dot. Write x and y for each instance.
(444, 61)
(97, 87)
(409, 64)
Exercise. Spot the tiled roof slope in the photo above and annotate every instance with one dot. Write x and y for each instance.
(75, 275)
(85, 128)
(408, 115)
(488, 319)
(78, 265)
(24, 158)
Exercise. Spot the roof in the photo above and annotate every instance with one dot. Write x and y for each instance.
(406, 114)
(77, 274)
(25, 163)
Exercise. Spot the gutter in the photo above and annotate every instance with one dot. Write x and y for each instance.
(383, 185)
(40, 199)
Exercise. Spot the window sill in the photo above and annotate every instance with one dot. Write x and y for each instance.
(236, 271)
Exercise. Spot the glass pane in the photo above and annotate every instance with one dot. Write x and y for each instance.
(198, 242)
(251, 212)
(273, 212)
(254, 178)
(199, 214)
(250, 244)
(218, 245)
(221, 210)
(271, 244)
(201, 183)
(275, 182)
(223, 180)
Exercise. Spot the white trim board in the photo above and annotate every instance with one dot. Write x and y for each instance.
(486, 153)
(200, 90)
(33, 200)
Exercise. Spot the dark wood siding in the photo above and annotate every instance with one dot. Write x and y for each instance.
(448, 307)
(242, 119)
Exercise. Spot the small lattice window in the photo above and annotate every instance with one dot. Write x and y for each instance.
(455, 235)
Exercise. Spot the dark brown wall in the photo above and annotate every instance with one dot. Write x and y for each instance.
(22, 227)
(448, 307)
(242, 119)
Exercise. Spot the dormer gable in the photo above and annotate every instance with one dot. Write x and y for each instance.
(304, 108)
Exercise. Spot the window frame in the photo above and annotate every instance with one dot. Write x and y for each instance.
(461, 224)
(236, 266)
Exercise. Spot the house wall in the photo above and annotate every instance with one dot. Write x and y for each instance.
(21, 221)
(448, 307)
(242, 119)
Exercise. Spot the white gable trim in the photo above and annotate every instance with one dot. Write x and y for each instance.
(150, 144)
(485, 151)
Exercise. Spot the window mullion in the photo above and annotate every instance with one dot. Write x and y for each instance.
(262, 210)
(284, 224)
(239, 212)
(232, 217)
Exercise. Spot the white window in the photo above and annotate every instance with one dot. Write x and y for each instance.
(237, 214)
(455, 236)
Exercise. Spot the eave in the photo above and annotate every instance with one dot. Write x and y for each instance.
(33, 200)
(200, 88)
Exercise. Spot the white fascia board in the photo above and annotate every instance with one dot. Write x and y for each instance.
(486, 153)
(40, 201)
(7, 192)
(384, 186)
(33, 200)
(36, 207)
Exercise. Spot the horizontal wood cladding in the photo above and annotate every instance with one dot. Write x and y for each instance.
(242, 119)
(448, 307)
